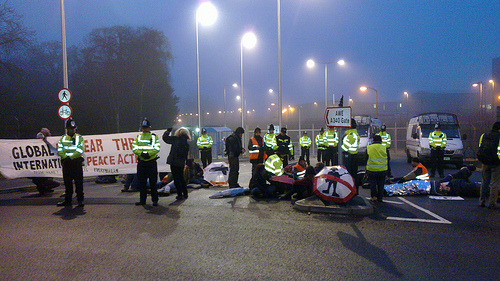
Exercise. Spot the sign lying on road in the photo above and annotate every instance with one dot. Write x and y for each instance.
(338, 116)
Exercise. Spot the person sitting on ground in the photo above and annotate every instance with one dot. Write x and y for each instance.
(130, 183)
(303, 187)
(319, 166)
(464, 174)
(299, 169)
(193, 175)
(419, 172)
(459, 187)
(258, 184)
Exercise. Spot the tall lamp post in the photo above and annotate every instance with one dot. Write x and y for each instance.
(64, 54)
(310, 63)
(480, 85)
(362, 89)
(234, 86)
(493, 107)
(407, 104)
(248, 41)
(206, 15)
(280, 100)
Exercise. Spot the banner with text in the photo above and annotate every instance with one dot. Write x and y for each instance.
(104, 155)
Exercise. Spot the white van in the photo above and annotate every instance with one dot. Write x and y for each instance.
(417, 137)
(367, 127)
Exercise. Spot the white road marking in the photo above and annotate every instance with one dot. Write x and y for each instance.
(439, 219)
(391, 202)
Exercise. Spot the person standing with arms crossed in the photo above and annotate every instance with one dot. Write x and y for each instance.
(146, 146)
(204, 144)
(305, 143)
(437, 144)
(70, 147)
(320, 144)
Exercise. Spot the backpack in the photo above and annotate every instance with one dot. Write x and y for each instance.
(487, 153)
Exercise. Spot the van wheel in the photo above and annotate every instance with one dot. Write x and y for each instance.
(408, 157)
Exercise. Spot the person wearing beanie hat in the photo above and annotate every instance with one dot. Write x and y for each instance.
(256, 149)
(233, 149)
(376, 168)
(491, 171)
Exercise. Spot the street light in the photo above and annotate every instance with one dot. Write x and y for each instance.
(64, 53)
(310, 63)
(248, 41)
(480, 85)
(206, 15)
(407, 104)
(362, 89)
(234, 86)
(493, 107)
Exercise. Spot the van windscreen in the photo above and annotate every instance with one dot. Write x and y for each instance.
(451, 131)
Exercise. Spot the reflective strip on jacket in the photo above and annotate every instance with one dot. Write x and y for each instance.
(498, 149)
(437, 140)
(377, 158)
(331, 138)
(270, 141)
(305, 141)
(350, 143)
(386, 139)
(72, 147)
(320, 141)
(146, 142)
(274, 165)
(253, 153)
(204, 141)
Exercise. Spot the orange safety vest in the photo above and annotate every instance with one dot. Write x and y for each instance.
(254, 153)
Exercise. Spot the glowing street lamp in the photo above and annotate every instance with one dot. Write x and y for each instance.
(480, 85)
(407, 104)
(493, 106)
(363, 89)
(206, 15)
(311, 63)
(249, 40)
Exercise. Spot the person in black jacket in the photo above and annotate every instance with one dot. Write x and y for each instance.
(285, 146)
(233, 150)
(177, 158)
(459, 187)
(464, 174)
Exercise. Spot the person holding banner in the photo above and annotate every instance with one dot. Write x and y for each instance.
(146, 146)
(70, 147)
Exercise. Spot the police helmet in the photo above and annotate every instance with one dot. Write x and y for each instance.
(353, 123)
(271, 127)
(203, 131)
(437, 126)
(305, 132)
(383, 128)
(145, 123)
(322, 129)
(284, 130)
(70, 124)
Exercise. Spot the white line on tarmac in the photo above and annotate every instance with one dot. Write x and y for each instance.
(439, 219)
(391, 202)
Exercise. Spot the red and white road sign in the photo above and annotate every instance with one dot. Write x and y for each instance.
(64, 111)
(338, 116)
(64, 95)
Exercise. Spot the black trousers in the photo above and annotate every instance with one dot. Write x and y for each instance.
(389, 173)
(330, 156)
(351, 164)
(73, 172)
(234, 171)
(147, 170)
(437, 162)
(304, 152)
(376, 180)
(179, 181)
(320, 155)
(206, 156)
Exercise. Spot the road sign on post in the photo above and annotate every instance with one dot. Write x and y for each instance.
(64, 95)
(338, 116)
(64, 112)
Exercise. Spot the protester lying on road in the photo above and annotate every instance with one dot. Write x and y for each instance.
(459, 187)
(464, 174)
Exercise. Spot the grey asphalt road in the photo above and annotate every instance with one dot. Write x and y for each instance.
(407, 238)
